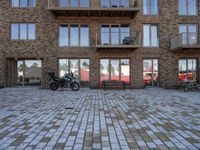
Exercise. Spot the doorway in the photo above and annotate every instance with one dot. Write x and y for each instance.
(150, 72)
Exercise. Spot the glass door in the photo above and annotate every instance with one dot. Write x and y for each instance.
(150, 72)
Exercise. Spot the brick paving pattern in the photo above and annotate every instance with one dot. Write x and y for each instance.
(32, 118)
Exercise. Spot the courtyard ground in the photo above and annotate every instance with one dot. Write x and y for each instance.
(154, 118)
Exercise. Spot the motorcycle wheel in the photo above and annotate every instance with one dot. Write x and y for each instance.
(75, 86)
(54, 86)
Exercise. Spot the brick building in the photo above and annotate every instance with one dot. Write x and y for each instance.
(141, 42)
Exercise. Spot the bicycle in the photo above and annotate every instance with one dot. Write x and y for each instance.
(191, 85)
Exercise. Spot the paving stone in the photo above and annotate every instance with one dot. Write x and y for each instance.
(153, 118)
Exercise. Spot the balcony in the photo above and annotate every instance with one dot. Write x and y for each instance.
(130, 43)
(185, 41)
(100, 11)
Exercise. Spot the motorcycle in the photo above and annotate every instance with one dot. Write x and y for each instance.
(68, 80)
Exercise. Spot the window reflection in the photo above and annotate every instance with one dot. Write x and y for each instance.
(115, 3)
(79, 67)
(189, 34)
(187, 7)
(150, 36)
(29, 72)
(187, 70)
(115, 69)
(74, 35)
(114, 34)
(150, 72)
(150, 7)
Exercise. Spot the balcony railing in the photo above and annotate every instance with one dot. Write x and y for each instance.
(93, 11)
(127, 43)
(185, 41)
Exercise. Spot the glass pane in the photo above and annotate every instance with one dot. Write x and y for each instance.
(104, 70)
(105, 38)
(155, 72)
(105, 3)
(84, 3)
(154, 36)
(124, 3)
(147, 71)
(63, 35)
(182, 28)
(192, 72)
(64, 3)
(23, 3)
(84, 35)
(74, 39)
(146, 7)
(105, 35)
(31, 32)
(146, 35)
(115, 34)
(154, 7)
(114, 69)
(63, 67)
(85, 69)
(32, 3)
(192, 7)
(125, 70)
(74, 3)
(33, 72)
(20, 69)
(23, 31)
(192, 34)
(182, 70)
(182, 7)
(114, 3)
(15, 3)
(74, 67)
(15, 31)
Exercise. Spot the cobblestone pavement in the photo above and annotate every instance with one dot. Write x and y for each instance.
(32, 118)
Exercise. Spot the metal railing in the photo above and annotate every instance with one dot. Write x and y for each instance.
(185, 39)
(128, 41)
(62, 4)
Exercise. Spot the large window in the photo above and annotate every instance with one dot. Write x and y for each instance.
(188, 7)
(74, 35)
(80, 68)
(74, 3)
(150, 7)
(187, 70)
(150, 72)
(114, 3)
(23, 3)
(29, 72)
(114, 34)
(115, 69)
(23, 31)
(150, 35)
(189, 34)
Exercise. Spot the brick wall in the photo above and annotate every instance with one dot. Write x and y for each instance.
(46, 45)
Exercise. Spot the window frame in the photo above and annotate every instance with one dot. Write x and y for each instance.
(110, 33)
(79, 66)
(150, 8)
(69, 34)
(197, 67)
(69, 4)
(120, 64)
(27, 6)
(110, 4)
(27, 29)
(187, 9)
(158, 37)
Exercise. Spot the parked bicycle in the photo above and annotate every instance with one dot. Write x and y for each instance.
(190, 85)
(68, 80)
